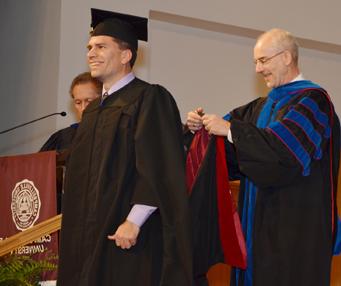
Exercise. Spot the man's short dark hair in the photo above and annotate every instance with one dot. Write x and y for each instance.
(126, 46)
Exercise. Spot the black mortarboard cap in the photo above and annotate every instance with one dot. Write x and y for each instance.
(124, 27)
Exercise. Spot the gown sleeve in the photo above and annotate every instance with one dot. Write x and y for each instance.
(275, 155)
(160, 164)
(62, 139)
(158, 147)
(51, 143)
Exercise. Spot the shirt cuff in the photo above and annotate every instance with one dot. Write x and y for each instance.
(140, 213)
(229, 136)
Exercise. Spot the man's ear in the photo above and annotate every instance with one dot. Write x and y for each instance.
(288, 59)
(126, 56)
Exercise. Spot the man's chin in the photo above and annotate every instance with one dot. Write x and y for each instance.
(95, 74)
(269, 83)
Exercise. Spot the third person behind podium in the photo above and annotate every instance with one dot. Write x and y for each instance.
(84, 89)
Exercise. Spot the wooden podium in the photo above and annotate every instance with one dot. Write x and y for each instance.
(28, 197)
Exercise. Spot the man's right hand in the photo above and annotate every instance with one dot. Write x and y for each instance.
(194, 119)
(126, 235)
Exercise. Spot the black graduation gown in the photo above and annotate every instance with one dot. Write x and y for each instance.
(61, 139)
(128, 150)
(292, 232)
(61, 142)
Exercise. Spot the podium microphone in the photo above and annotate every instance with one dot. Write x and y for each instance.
(63, 113)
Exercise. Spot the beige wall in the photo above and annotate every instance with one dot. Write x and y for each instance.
(216, 70)
(213, 68)
(29, 71)
(207, 64)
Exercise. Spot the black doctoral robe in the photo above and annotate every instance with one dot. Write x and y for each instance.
(60, 140)
(128, 150)
(292, 231)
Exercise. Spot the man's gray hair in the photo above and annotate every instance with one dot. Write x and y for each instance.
(283, 40)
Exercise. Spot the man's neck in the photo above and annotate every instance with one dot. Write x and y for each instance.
(123, 81)
(298, 77)
(109, 82)
(291, 76)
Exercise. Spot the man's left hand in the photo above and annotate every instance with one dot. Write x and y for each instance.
(216, 125)
(126, 235)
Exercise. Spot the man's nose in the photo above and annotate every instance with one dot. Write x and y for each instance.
(259, 67)
(91, 53)
(84, 105)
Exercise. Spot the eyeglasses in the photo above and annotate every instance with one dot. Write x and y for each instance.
(265, 60)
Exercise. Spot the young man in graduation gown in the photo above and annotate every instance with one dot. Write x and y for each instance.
(287, 149)
(125, 208)
(84, 89)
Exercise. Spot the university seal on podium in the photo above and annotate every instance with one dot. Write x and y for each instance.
(25, 204)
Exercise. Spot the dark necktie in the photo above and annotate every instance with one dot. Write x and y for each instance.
(104, 96)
